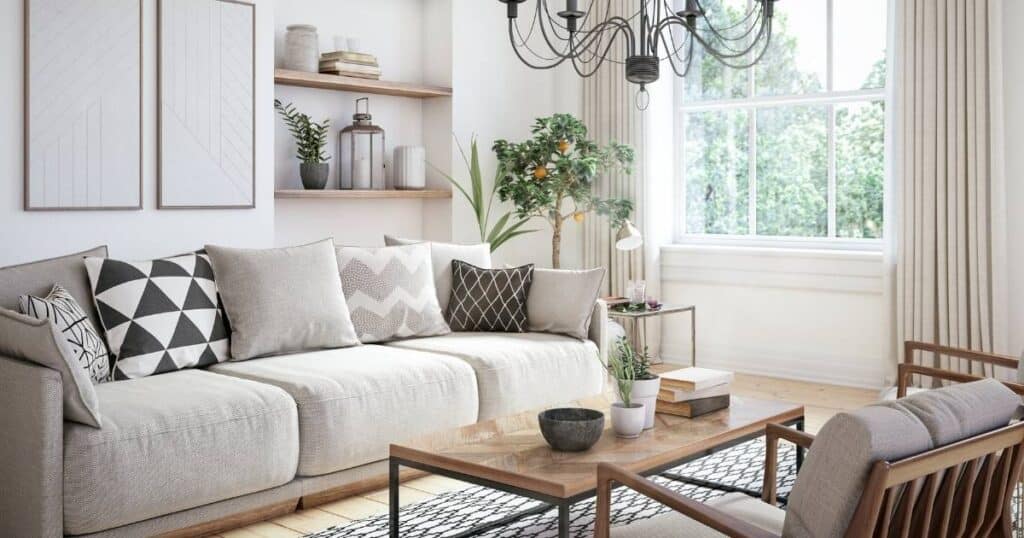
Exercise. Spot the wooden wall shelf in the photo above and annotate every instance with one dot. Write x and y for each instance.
(351, 84)
(335, 194)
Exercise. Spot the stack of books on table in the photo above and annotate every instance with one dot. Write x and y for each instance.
(691, 392)
(350, 64)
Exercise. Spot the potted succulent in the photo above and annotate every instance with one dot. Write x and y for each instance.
(310, 140)
(628, 416)
(645, 384)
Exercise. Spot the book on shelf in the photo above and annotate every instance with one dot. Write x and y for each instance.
(667, 394)
(694, 378)
(349, 57)
(347, 68)
(693, 408)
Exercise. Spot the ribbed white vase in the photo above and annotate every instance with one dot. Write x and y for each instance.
(410, 167)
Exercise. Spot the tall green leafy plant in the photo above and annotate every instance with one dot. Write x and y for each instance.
(310, 137)
(505, 228)
(552, 175)
(624, 375)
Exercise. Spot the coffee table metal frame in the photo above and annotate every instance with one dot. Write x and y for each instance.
(563, 504)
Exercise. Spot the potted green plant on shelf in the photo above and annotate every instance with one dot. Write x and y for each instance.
(552, 176)
(310, 140)
(628, 415)
(503, 229)
(646, 384)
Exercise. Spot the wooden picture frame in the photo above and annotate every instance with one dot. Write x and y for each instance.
(206, 139)
(77, 151)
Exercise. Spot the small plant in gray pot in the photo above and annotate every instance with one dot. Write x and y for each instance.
(627, 415)
(646, 385)
(310, 140)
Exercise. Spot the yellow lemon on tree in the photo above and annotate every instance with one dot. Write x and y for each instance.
(563, 146)
(578, 216)
(540, 172)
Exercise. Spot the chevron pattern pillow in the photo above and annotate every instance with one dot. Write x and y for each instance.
(492, 300)
(160, 315)
(390, 292)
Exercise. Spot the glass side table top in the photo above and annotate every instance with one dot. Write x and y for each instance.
(615, 312)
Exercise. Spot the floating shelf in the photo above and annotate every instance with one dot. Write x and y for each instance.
(331, 194)
(351, 84)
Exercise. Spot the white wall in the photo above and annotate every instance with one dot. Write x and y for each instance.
(27, 236)
(1013, 103)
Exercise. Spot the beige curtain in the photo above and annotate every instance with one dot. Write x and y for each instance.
(944, 177)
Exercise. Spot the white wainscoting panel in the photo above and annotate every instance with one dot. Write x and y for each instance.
(206, 107)
(800, 314)
(83, 117)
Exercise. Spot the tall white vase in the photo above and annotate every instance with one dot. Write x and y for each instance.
(410, 168)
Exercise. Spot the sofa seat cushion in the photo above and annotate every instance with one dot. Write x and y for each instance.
(673, 524)
(174, 442)
(354, 402)
(521, 371)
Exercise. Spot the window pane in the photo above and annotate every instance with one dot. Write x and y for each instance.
(708, 78)
(860, 169)
(792, 171)
(716, 172)
(860, 43)
(796, 61)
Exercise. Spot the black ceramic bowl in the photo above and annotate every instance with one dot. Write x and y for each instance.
(571, 429)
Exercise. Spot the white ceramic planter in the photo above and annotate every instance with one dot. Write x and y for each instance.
(628, 422)
(645, 391)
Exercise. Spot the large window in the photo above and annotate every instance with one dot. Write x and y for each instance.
(795, 147)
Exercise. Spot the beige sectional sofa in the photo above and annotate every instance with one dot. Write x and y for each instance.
(178, 451)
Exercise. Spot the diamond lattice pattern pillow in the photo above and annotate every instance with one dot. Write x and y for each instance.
(160, 315)
(489, 299)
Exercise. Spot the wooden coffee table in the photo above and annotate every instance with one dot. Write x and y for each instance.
(510, 455)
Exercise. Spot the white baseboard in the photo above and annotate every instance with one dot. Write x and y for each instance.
(860, 372)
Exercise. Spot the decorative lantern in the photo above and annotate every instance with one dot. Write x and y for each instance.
(361, 148)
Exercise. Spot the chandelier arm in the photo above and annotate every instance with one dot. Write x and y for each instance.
(744, 19)
(519, 54)
(673, 57)
(767, 35)
(711, 48)
(524, 43)
(757, 22)
(625, 29)
(615, 24)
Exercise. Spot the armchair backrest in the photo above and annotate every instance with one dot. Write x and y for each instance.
(856, 457)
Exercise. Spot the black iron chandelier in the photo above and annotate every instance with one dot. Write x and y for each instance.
(654, 33)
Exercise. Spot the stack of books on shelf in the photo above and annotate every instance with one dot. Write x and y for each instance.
(691, 392)
(350, 64)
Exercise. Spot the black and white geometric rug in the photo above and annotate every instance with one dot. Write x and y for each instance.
(454, 512)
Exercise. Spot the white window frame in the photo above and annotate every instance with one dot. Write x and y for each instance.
(830, 98)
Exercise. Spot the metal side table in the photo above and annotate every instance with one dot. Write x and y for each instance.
(635, 322)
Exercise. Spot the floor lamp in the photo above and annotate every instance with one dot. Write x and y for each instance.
(629, 239)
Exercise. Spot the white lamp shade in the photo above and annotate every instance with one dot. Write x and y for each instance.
(628, 238)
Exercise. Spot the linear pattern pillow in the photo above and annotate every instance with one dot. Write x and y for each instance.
(562, 301)
(64, 312)
(160, 315)
(281, 300)
(390, 292)
(442, 255)
(489, 299)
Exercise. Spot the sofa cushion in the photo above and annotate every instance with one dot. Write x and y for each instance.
(354, 402)
(173, 442)
(61, 309)
(442, 255)
(962, 410)
(521, 371)
(562, 301)
(489, 299)
(38, 278)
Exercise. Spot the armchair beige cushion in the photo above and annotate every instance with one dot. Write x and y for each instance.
(676, 525)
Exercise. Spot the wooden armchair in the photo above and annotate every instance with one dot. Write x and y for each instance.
(908, 368)
(960, 489)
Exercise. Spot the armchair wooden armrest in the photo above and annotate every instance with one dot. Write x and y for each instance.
(908, 368)
(699, 512)
(772, 434)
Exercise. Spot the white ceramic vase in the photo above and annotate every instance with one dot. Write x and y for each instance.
(301, 52)
(628, 422)
(410, 164)
(645, 391)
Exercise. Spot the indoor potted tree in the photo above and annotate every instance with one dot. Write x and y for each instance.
(645, 383)
(627, 415)
(310, 140)
(552, 175)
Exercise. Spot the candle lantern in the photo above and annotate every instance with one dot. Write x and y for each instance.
(361, 149)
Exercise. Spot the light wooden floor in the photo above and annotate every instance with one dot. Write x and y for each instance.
(820, 402)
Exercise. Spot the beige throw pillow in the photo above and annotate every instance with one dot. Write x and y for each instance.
(282, 300)
(562, 301)
(441, 255)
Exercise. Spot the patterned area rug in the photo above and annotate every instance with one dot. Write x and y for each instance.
(452, 513)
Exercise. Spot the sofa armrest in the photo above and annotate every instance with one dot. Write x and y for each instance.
(598, 332)
(31, 450)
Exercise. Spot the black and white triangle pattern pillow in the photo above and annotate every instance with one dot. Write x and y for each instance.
(160, 315)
